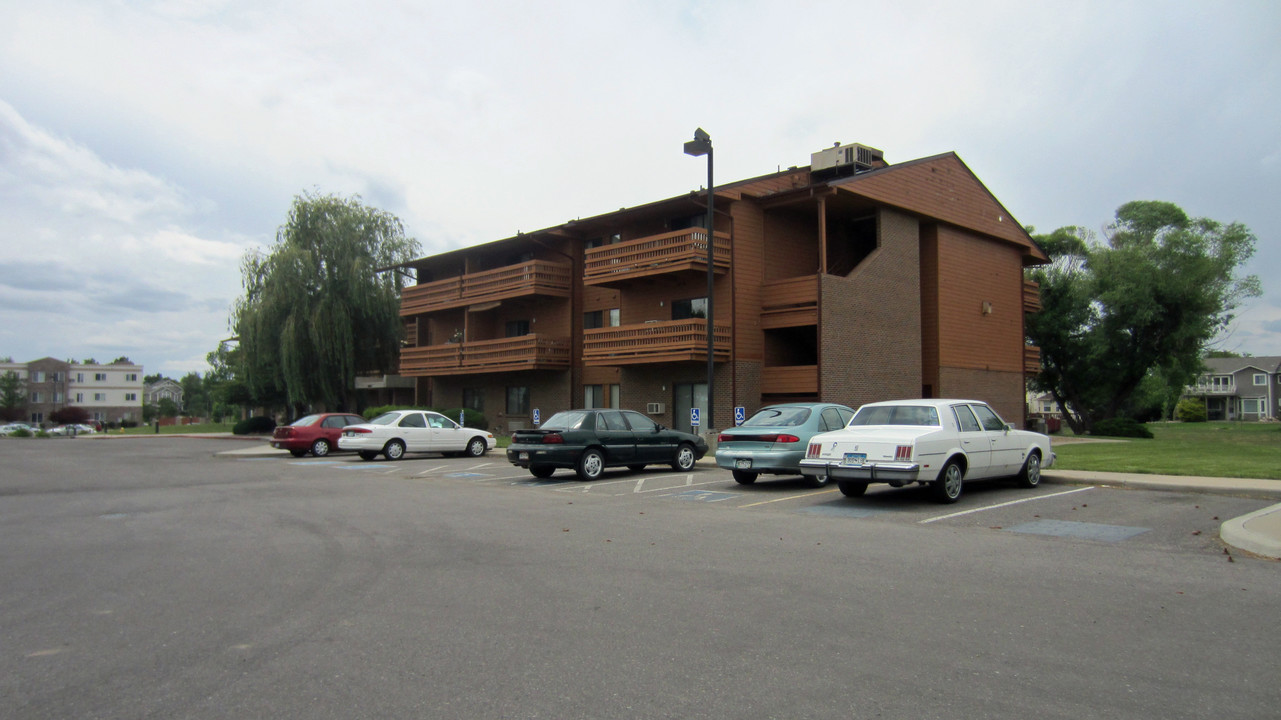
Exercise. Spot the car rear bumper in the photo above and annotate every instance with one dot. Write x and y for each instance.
(760, 461)
(871, 472)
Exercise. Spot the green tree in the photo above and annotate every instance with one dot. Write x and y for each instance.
(13, 397)
(166, 408)
(1143, 303)
(317, 310)
(195, 397)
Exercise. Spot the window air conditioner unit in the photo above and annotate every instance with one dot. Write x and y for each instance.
(654, 408)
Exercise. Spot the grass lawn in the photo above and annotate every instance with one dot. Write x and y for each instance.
(1214, 449)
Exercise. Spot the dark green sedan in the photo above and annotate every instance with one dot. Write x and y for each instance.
(588, 441)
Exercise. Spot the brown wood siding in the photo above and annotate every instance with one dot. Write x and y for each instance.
(974, 272)
(943, 188)
(745, 282)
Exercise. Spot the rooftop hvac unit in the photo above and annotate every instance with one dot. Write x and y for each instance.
(654, 408)
(852, 156)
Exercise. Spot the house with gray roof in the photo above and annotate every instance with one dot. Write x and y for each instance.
(1245, 388)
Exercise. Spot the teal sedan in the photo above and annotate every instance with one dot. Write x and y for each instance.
(773, 441)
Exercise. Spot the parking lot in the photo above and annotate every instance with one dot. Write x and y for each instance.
(168, 577)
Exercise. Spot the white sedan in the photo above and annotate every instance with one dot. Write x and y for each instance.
(939, 443)
(394, 433)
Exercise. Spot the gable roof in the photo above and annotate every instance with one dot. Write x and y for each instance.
(1228, 366)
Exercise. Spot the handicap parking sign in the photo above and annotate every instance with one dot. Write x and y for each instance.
(537, 418)
(740, 414)
(694, 417)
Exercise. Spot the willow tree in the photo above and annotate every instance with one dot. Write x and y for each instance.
(1144, 303)
(319, 308)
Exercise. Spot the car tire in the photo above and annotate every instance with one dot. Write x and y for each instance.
(635, 468)
(743, 477)
(685, 457)
(851, 488)
(394, 450)
(477, 447)
(541, 471)
(591, 464)
(367, 454)
(1030, 475)
(297, 453)
(320, 448)
(815, 481)
(948, 487)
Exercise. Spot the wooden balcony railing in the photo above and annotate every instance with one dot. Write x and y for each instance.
(667, 341)
(790, 303)
(655, 255)
(1031, 359)
(790, 380)
(1031, 296)
(536, 277)
(527, 352)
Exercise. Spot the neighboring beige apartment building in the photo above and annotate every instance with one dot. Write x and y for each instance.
(110, 392)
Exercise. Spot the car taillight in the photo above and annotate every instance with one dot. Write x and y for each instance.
(724, 438)
(784, 438)
(903, 452)
(814, 450)
(353, 431)
(553, 439)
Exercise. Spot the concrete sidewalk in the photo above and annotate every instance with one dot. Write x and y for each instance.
(1259, 532)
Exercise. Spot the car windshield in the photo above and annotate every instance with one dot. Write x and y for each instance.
(305, 421)
(390, 418)
(896, 415)
(779, 417)
(569, 420)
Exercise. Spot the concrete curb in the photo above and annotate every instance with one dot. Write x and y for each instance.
(1259, 532)
(1247, 487)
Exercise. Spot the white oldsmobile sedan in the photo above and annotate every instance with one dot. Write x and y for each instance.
(394, 433)
(938, 443)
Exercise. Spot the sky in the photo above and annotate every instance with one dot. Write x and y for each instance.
(146, 146)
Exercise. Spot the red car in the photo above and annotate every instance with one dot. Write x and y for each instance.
(317, 434)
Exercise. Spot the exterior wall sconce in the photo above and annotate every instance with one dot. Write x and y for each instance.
(987, 307)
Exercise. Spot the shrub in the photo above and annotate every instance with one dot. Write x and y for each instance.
(20, 432)
(254, 426)
(1120, 427)
(474, 418)
(1191, 410)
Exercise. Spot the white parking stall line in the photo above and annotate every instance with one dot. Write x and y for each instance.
(430, 469)
(681, 488)
(689, 480)
(788, 497)
(1004, 504)
(477, 467)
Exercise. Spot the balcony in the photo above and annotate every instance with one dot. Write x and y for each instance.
(1213, 390)
(790, 303)
(527, 352)
(1031, 359)
(682, 250)
(790, 380)
(536, 277)
(1031, 296)
(653, 342)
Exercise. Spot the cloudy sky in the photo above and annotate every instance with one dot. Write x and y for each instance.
(145, 146)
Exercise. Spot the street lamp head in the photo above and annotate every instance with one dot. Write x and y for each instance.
(700, 145)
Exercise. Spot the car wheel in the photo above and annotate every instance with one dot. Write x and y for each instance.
(685, 457)
(816, 481)
(743, 477)
(591, 464)
(635, 468)
(1030, 475)
(948, 487)
(477, 447)
(297, 453)
(394, 450)
(541, 471)
(851, 488)
(320, 448)
(367, 454)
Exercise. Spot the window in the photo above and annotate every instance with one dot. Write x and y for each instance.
(100, 397)
(831, 420)
(57, 397)
(518, 400)
(965, 419)
(37, 418)
(80, 377)
(413, 420)
(474, 399)
(35, 396)
(517, 328)
(100, 377)
(988, 418)
(55, 377)
(131, 397)
(37, 376)
(131, 377)
(80, 397)
(600, 319)
(691, 308)
(639, 422)
(611, 420)
(1260, 379)
(1254, 406)
(600, 396)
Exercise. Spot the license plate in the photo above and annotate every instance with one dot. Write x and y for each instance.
(854, 459)
(742, 464)
(523, 456)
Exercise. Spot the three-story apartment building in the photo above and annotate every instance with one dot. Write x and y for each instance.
(851, 280)
(108, 392)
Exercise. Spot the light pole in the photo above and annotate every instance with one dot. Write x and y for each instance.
(702, 145)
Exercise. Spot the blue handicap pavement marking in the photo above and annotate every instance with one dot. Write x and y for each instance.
(1083, 530)
(704, 496)
(842, 510)
(467, 475)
